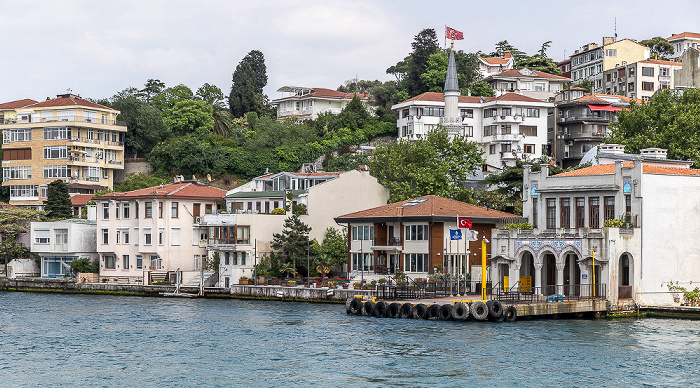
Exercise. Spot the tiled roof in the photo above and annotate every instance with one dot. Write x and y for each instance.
(514, 97)
(182, 190)
(327, 93)
(81, 199)
(17, 104)
(495, 60)
(694, 35)
(69, 100)
(440, 97)
(608, 169)
(432, 206)
(515, 73)
(661, 62)
(262, 194)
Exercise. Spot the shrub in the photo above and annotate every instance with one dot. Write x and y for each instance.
(278, 211)
(614, 223)
(85, 265)
(522, 226)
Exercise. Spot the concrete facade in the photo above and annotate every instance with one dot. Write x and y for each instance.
(58, 243)
(689, 75)
(308, 103)
(592, 60)
(640, 79)
(534, 84)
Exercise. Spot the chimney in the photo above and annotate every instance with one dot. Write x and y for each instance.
(616, 149)
(653, 153)
(608, 40)
(507, 55)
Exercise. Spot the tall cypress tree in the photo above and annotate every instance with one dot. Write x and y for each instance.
(249, 79)
(424, 45)
(58, 204)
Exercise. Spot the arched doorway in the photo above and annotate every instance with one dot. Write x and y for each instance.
(527, 272)
(572, 275)
(624, 290)
(549, 274)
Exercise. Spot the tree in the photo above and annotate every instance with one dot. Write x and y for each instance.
(85, 265)
(540, 61)
(290, 245)
(358, 86)
(345, 162)
(188, 116)
(138, 181)
(400, 69)
(153, 87)
(503, 46)
(13, 222)
(659, 47)
(57, 204)
(669, 120)
(434, 165)
(249, 79)
(171, 96)
(424, 45)
(333, 251)
(585, 84)
(145, 123)
(354, 115)
(481, 88)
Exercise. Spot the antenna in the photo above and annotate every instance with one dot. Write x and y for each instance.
(615, 29)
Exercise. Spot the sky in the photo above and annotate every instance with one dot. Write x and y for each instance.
(98, 48)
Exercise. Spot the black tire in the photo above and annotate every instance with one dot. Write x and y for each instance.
(419, 311)
(356, 306)
(460, 311)
(380, 309)
(495, 309)
(433, 312)
(510, 313)
(479, 310)
(368, 309)
(445, 313)
(406, 311)
(393, 310)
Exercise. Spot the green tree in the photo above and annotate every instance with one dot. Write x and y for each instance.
(434, 165)
(659, 47)
(503, 46)
(85, 265)
(249, 79)
(290, 245)
(57, 204)
(188, 116)
(223, 121)
(333, 251)
(354, 115)
(152, 88)
(145, 123)
(171, 96)
(540, 61)
(424, 45)
(585, 84)
(669, 120)
(358, 86)
(385, 96)
(137, 181)
(346, 162)
(481, 88)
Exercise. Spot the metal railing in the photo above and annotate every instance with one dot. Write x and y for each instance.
(390, 242)
(550, 293)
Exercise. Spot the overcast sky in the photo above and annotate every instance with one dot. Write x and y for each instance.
(98, 48)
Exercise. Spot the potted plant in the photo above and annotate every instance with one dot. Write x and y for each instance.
(382, 281)
(356, 285)
(292, 283)
(346, 285)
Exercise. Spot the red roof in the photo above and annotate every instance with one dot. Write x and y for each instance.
(496, 60)
(428, 206)
(514, 97)
(17, 104)
(609, 169)
(692, 35)
(440, 97)
(515, 73)
(81, 199)
(69, 100)
(182, 190)
(327, 93)
(661, 62)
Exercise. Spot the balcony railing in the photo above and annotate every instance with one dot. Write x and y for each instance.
(390, 242)
(65, 120)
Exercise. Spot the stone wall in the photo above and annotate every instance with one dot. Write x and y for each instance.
(132, 166)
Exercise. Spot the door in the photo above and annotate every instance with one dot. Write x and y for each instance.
(392, 263)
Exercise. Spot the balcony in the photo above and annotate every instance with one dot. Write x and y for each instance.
(506, 137)
(387, 244)
(585, 117)
(665, 78)
(67, 121)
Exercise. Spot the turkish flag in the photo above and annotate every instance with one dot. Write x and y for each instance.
(451, 33)
(464, 223)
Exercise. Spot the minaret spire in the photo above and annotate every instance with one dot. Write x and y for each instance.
(452, 120)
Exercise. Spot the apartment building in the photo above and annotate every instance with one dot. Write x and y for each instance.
(565, 67)
(593, 60)
(640, 79)
(308, 103)
(683, 41)
(67, 138)
(58, 243)
(531, 83)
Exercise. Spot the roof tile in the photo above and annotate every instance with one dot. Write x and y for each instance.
(181, 190)
(609, 169)
(17, 104)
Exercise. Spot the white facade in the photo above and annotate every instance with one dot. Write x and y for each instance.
(505, 127)
(534, 84)
(495, 65)
(641, 79)
(682, 42)
(308, 103)
(58, 243)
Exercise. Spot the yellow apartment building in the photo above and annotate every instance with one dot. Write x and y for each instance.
(67, 138)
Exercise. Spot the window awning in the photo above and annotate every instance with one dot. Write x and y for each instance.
(608, 108)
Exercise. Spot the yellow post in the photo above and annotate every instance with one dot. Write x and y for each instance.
(483, 269)
(593, 257)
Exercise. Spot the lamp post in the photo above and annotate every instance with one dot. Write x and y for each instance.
(308, 263)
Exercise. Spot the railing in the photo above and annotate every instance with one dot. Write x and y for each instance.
(71, 119)
(390, 242)
(549, 293)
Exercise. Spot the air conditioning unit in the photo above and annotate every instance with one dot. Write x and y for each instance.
(503, 117)
(570, 142)
(197, 220)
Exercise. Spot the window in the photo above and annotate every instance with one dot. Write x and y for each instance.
(594, 212)
(551, 213)
(208, 209)
(492, 149)
(505, 111)
(664, 71)
(505, 147)
(59, 133)
(55, 152)
(365, 232)
(468, 131)
(148, 209)
(648, 86)
(565, 213)
(66, 115)
(609, 208)
(534, 212)
(243, 235)
(416, 262)
(490, 112)
(156, 262)
(525, 85)
(161, 236)
(45, 191)
(466, 113)
(117, 210)
(580, 212)
(42, 236)
(105, 236)
(160, 209)
(17, 154)
(175, 236)
(136, 236)
(532, 112)
(24, 191)
(125, 206)
(628, 204)
(489, 130)
(89, 116)
(139, 262)
(610, 53)
(105, 210)
(125, 236)
(505, 129)
(416, 232)
(56, 172)
(173, 210)
(366, 263)
(17, 172)
(136, 213)
(437, 112)
(540, 87)
(12, 135)
(529, 148)
(147, 239)
(61, 236)
(404, 113)
(110, 262)
(647, 71)
(528, 130)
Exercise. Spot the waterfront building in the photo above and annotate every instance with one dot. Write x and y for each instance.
(531, 83)
(258, 209)
(144, 233)
(572, 214)
(58, 243)
(640, 79)
(67, 138)
(593, 60)
(307, 103)
(413, 236)
(682, 42)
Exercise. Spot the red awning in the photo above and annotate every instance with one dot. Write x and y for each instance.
(608, 108)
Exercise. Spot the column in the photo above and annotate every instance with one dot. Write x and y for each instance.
(560, 278)
(585, 286)
(538, 279)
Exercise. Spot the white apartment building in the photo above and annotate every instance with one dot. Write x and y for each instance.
(156, 229)
(505, 127)
(592, 60)
(682, 42)
(531, 83)
(641, 79)
(58, 243)
(307, 103)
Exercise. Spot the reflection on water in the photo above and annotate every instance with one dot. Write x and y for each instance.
(83, 340)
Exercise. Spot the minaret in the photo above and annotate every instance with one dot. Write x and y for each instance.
(452, 121)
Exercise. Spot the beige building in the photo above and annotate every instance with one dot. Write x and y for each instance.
(592, 60)
(67, 138)
(640, 79)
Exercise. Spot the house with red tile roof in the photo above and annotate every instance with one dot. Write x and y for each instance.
(531, 83)
(307, 103)
(623, 229)
(417, 236)
(495, 65)
(640, 79)
(683, 41)
(143, 234)
(8, 110)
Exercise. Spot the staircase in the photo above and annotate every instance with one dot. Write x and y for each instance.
(191, 279)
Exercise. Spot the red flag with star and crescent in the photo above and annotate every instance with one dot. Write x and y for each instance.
(451, 33)
(464, 223)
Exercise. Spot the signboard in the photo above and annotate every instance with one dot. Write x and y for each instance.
(533, 190)
(627, 186)
(584, 276)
